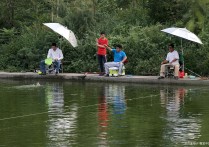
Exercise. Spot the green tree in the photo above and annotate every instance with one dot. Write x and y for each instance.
(196, 15)
(166, 11)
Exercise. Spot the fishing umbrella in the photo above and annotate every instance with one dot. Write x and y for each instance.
(182, 33)
(63, 31)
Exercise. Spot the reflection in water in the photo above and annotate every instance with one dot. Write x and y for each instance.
(179, 129)
(113, 95)
(102, 117)
(62, 123)
(95, 114)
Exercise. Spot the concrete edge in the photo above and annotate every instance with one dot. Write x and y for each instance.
(95, 78)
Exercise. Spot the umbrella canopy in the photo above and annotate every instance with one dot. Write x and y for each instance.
(63, 31)
(183, 33)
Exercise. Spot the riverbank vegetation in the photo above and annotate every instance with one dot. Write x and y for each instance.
(136, 24)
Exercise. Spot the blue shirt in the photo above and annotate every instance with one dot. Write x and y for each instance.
(118, 56)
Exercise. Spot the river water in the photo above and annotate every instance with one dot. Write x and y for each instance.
(63, 114)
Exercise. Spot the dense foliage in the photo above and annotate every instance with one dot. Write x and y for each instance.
(136, 24)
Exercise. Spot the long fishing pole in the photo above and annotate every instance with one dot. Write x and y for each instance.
(193, 72)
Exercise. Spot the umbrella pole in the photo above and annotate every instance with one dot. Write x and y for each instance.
(60, 42)
(182, 51)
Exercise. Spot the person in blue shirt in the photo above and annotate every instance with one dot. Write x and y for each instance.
(119, 59)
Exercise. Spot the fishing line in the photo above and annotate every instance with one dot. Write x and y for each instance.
(21, 116)
(41, 113)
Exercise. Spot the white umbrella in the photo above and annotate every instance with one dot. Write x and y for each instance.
(63, 31)
(182, 33)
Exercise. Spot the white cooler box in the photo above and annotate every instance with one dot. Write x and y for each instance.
(113, 71)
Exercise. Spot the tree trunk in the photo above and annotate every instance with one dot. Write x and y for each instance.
(10, 8)
(58, 2)
(134, 3)
(52, 13)
(94, 7)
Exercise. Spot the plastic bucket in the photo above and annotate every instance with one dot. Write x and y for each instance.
(48, 61)
(181, 74)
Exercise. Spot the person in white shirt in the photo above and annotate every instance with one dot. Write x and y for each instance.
(56, 54)
(171, 59)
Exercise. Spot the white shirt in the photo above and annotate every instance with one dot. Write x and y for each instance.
(57, 54)
(171, 56)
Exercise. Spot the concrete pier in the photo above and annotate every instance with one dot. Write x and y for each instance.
(97, 78)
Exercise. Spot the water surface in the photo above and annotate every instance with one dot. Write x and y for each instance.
(62, 114)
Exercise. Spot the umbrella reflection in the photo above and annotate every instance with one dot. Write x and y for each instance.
(62, 123)
(180, 128)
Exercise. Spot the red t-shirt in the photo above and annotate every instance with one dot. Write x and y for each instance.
(101, 41)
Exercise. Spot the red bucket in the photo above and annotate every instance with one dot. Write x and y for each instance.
(181, 74)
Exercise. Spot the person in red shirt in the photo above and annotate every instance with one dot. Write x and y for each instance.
(101, 51)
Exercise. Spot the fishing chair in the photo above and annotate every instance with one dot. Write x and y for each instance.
(170, 70)
(50, 69)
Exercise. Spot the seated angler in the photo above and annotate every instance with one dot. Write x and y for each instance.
(171, 59)
(56, 55)
(119, 59)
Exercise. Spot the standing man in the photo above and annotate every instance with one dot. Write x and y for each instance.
(101, 51)
(56, 55)
(119, 59)
(171, 59)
